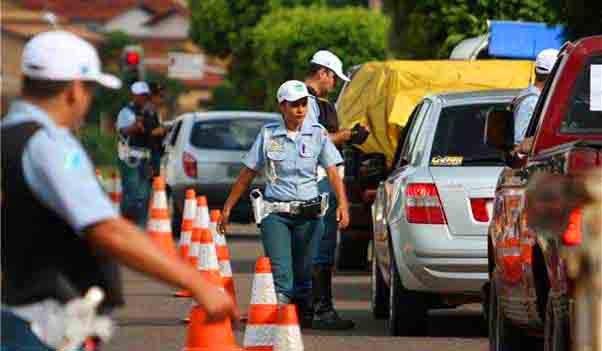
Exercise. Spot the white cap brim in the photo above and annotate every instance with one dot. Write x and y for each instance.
(293, 98)
(108, 81)
(342, 76)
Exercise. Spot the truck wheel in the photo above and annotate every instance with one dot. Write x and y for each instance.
(503, 335)
(556, 329)
(380, 293)
(407, 309)
(351, 254)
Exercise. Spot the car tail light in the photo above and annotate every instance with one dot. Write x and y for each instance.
(581, 160)
(423, 205)
(479, 209)
(189, 164)
(572, 234)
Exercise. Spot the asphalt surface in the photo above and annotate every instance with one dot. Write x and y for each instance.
(152, 318)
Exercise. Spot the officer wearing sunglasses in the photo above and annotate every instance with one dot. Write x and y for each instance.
(289, 152)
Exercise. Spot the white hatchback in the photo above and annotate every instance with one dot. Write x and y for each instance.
(204, 151)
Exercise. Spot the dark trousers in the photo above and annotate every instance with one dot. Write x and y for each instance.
(291, 242)
(136, 188)
(328, 242)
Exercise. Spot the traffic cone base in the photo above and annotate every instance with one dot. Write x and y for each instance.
(261, 328)
(205, 336)
(288, 333)
(263, 309)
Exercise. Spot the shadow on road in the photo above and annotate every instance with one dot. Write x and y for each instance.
(441, 324)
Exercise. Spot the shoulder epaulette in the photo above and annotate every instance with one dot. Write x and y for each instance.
(271, 125)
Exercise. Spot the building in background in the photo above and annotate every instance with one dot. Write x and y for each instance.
(159, 26)
(18, 25)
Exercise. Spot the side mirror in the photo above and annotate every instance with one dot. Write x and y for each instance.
(499, 129)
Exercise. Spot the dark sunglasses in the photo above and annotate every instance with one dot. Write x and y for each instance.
(297, 103)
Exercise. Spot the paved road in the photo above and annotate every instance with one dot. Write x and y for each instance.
(151, 319)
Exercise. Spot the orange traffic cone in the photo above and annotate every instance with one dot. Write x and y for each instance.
(261, 326)
(223, 254)
(159, 225)
(115, 190)
(288, 332)
(188, 219)
(203, 335)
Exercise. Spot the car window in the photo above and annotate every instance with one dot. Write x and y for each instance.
(420, 142)
(581, 116)
(226, 134)
(537, 112)
(403, 133)
(459, 137)
(414, 129)
(175, 133)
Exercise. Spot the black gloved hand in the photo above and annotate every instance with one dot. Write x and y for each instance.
(359, 134)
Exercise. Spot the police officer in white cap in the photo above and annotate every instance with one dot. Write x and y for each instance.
(324, 71)
(524, 104)
(60, 232)
(289, 152)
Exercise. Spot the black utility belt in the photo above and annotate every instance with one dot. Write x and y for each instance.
(310, 209)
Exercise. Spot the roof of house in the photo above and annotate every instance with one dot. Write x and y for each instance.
(104, 10)
(26, 23)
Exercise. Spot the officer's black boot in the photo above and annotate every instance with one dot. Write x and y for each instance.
(305, 311)
(325, 316)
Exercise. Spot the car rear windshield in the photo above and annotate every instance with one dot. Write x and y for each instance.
(459, 137)
(227, 134)
(584, 115)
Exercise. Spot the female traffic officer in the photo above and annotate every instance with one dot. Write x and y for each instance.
(289, 153)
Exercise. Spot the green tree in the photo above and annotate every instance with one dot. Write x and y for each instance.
(217, 25)
(582, 17)
(285, 40)
(451, 21)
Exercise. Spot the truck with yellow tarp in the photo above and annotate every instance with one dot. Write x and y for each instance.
(382, 95)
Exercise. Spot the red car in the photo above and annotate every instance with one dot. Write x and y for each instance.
(529, 298)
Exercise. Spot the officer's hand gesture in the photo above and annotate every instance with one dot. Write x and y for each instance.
(342, 217)
(216, 303)
(224, 219)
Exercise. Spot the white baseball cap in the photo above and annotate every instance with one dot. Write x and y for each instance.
(63, 56)
(140, 88)
(331, 61)
(545, 61)
(292, 90)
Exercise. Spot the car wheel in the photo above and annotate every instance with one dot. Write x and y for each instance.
(503, 335)
(351, 254)
(380, 293)
(407, 309)
(556, 329)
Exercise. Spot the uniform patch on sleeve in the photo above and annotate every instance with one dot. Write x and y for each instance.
(73, 160)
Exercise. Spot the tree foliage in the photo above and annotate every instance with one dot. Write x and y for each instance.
(285, 40)
(217, 25)
(431, 28)
(582, 17)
